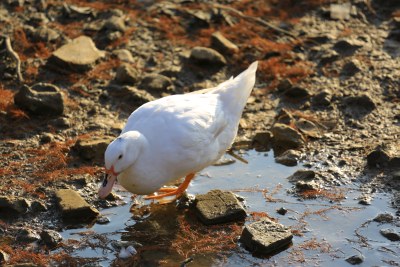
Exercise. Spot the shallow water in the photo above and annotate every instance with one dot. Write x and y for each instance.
(331, 231)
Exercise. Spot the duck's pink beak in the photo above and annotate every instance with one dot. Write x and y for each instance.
(108, 183)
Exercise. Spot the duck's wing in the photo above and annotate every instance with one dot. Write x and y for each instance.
(190, 127)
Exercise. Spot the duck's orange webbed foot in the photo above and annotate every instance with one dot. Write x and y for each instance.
(169, 191)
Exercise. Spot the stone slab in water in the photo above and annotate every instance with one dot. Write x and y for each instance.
(74, 207)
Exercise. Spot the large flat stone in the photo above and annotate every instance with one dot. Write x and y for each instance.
(219, 207)
(93, 148)
(266, 236)
(74, 208)
(78, 55)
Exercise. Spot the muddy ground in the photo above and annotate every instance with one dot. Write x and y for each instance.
(328, 86)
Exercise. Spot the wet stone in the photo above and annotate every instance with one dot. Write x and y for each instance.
(365, 200)
(262, 139)
(103, 220)
(355, 259)
(219, 207)
(50, 238)
(73, 207)
(265, 236)
(384, 218)
(286, 137)
(40, 99)
(93, 148)
(282, 211)
(390, 234)
(222, 44)
(302, 175)
(204, 55)
(289, 157)
(27, 236)
(156, 82)
(78, 55)
(126, 74)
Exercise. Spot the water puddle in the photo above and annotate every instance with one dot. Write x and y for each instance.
(326, 232)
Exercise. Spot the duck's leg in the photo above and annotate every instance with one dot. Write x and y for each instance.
(174, 191)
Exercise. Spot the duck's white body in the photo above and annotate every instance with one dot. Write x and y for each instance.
(179, 134)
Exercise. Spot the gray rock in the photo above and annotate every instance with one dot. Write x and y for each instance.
(384, 218)
(204, 55)
(289, 157)
(308, 128)
(340, 11)
(45, 34)
(103, 220)
(4, 257)
(328, 56)
(218, 207)
(222, 44)
(74, 208)
(40, 99)
(351, 68)
(265, 236)
(365, 200)
(390, 234)
(286, 137)
(347, 47)
(297, 92)
(284, 85)
(355, 259)
(115, 23)
(124, 55)
(126, 74)
(322, 99)
(262, 139)
(38, 18)
(27, 236)
(307, 185)
(93, 148)
(38, 206)
(378, 157)
(302, 175)
(46, 138)
(155, 82)
(78, 55)
(18, 205)
(282, 211)
(51, 238)
(358, 106)
(132, 94)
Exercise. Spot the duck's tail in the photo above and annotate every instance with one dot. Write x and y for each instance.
(235, 92)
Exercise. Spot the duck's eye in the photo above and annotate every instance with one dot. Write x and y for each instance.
(120, 156)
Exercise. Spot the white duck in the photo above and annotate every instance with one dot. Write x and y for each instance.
(176, 136)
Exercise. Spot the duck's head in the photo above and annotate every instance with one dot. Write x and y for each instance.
(120, 155)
